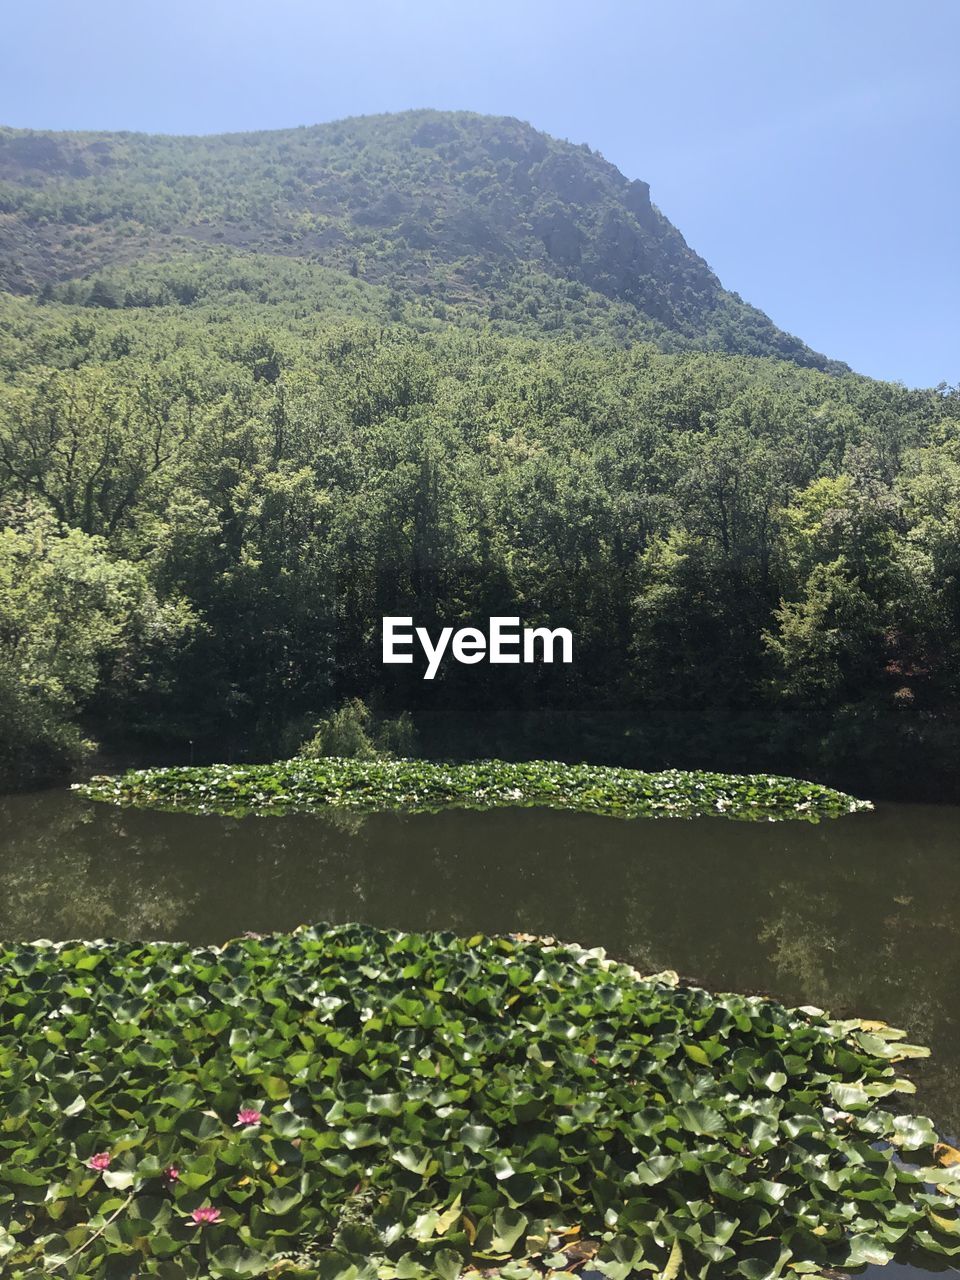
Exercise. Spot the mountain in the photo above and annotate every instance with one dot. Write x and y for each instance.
(459, 216)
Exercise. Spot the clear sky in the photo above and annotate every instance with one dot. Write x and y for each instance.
(808, 150)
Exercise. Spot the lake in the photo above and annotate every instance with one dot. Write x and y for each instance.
(859, 915)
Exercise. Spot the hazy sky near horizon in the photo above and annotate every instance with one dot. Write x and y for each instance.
(808, 151)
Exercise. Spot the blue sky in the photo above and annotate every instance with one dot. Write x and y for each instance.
(809, 151)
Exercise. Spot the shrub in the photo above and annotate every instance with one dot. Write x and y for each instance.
(353, 732)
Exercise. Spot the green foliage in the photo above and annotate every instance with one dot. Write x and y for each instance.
(352, 731)
(347, 1102)
(397, 737)
(293, 479)
(305, 785)
(69, 614)
(455, 214)
(342, 733)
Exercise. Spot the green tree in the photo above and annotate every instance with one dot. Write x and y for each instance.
(68, 615)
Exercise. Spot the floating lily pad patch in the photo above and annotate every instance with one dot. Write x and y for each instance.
(304, 786)
(347, 1103)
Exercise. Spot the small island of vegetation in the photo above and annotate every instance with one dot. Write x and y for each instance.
(303, 785)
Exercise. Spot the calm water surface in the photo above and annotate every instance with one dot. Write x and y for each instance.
(860, 915)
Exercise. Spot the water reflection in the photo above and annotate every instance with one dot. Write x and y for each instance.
(858, 915)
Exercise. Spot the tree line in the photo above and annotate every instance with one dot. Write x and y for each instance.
(208, 510)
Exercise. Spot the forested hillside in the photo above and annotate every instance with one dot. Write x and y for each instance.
(465, 215)
(222, 464)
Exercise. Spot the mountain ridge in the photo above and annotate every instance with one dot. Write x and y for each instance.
(482, 215)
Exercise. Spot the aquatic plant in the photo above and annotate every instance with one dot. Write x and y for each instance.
(304, 786)
(433, 1106)
(205, 1215)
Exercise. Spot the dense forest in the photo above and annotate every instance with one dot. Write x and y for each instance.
(259, 391)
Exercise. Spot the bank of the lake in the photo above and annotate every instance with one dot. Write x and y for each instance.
(303, 786)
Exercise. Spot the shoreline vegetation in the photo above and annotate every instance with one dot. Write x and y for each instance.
(415, 786)
(349, 1103)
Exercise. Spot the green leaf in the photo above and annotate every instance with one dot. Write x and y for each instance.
(448, 1265)
(508, 1226)
(867, 1250)
(233, 1263)
(477, 1137)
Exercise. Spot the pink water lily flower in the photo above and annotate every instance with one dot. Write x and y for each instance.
(100, 1161)
(247, 1116)
(171, 1173)
(205, 1214)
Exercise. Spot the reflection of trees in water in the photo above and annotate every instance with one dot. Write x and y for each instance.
(67, 871)
(876, 936)
(504, 871)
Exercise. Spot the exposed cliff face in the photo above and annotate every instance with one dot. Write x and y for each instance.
(452, 206)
